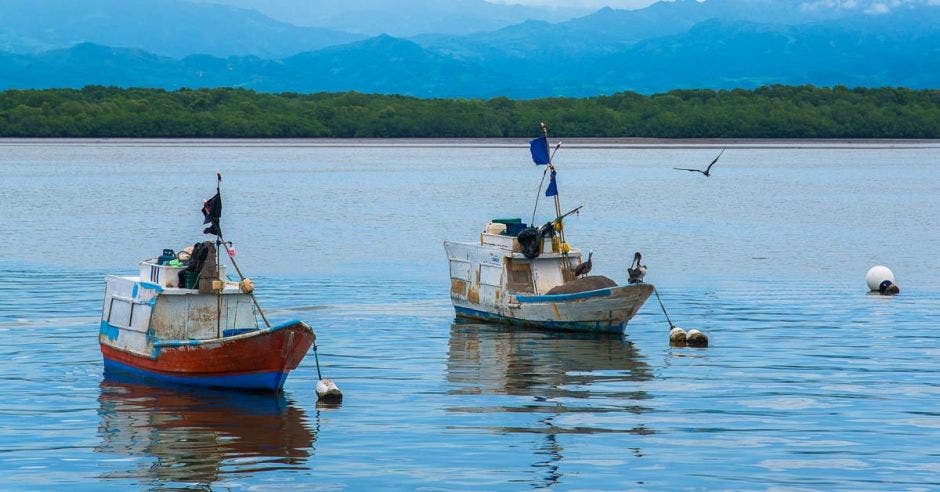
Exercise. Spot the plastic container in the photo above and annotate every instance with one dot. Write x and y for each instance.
(190, 280)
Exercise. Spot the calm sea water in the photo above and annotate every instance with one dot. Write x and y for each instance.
(809, 383)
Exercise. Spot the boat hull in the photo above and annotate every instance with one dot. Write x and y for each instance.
(602, 310)
(259, 360)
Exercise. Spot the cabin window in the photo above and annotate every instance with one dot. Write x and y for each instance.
(120, 313)
(520, 276)
(140, 317)
(491, 275)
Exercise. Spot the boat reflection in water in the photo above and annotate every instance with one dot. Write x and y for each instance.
(489, 358)
(573, 383)
(198, 436)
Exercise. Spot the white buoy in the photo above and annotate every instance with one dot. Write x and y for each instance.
(696, 338)
(677, 336)
(328, 392)
(881, 280)
(876, 275)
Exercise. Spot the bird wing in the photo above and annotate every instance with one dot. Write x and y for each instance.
(714, 161)
(686, 169)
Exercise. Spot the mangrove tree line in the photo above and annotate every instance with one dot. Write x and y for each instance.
(767, 112)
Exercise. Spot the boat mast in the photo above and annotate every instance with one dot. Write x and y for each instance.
(218, 264)
(245, 285)
(560, 226)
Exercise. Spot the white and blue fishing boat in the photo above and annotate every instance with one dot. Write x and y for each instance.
(524, 275)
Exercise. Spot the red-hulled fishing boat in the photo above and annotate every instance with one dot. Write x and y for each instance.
(182, 321)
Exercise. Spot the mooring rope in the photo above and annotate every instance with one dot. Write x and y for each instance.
(316, 358)
(671, 326)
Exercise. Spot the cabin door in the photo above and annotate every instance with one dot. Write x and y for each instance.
(520, 276)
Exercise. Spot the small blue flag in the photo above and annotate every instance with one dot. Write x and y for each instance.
(539, 148)
(552, 189)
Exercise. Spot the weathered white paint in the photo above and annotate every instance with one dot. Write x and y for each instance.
(138, 312)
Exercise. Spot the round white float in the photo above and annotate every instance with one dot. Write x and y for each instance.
(696, 338)
(677, 336)
(328, 392)
(876, 275)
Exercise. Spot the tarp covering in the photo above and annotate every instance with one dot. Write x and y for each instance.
(583, 284)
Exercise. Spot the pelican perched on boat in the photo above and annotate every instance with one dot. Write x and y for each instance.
(584, 268)
(636, 271)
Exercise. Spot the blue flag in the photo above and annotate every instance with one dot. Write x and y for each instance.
(552, 189)
(539, 148)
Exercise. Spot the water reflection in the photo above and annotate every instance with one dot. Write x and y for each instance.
(572, 382)
(198, 436)
(486, 358)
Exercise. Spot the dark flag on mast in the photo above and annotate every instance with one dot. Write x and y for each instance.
(539, 149)
(552, 189)
(212, 211)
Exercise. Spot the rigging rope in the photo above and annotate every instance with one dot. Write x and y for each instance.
(538, 194)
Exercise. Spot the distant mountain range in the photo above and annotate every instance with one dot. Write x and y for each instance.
(405, 18)
(175, 28)
(681, 44)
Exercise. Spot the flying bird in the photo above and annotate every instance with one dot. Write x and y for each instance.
(585, 267)
(707, 172)
(636, 271)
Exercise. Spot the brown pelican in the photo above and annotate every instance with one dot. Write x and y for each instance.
(585, 267)
(636, 271)
(707, 171)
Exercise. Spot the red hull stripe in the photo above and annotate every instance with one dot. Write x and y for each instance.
(268, 352)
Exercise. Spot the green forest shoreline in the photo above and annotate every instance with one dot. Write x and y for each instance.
(772, 112)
